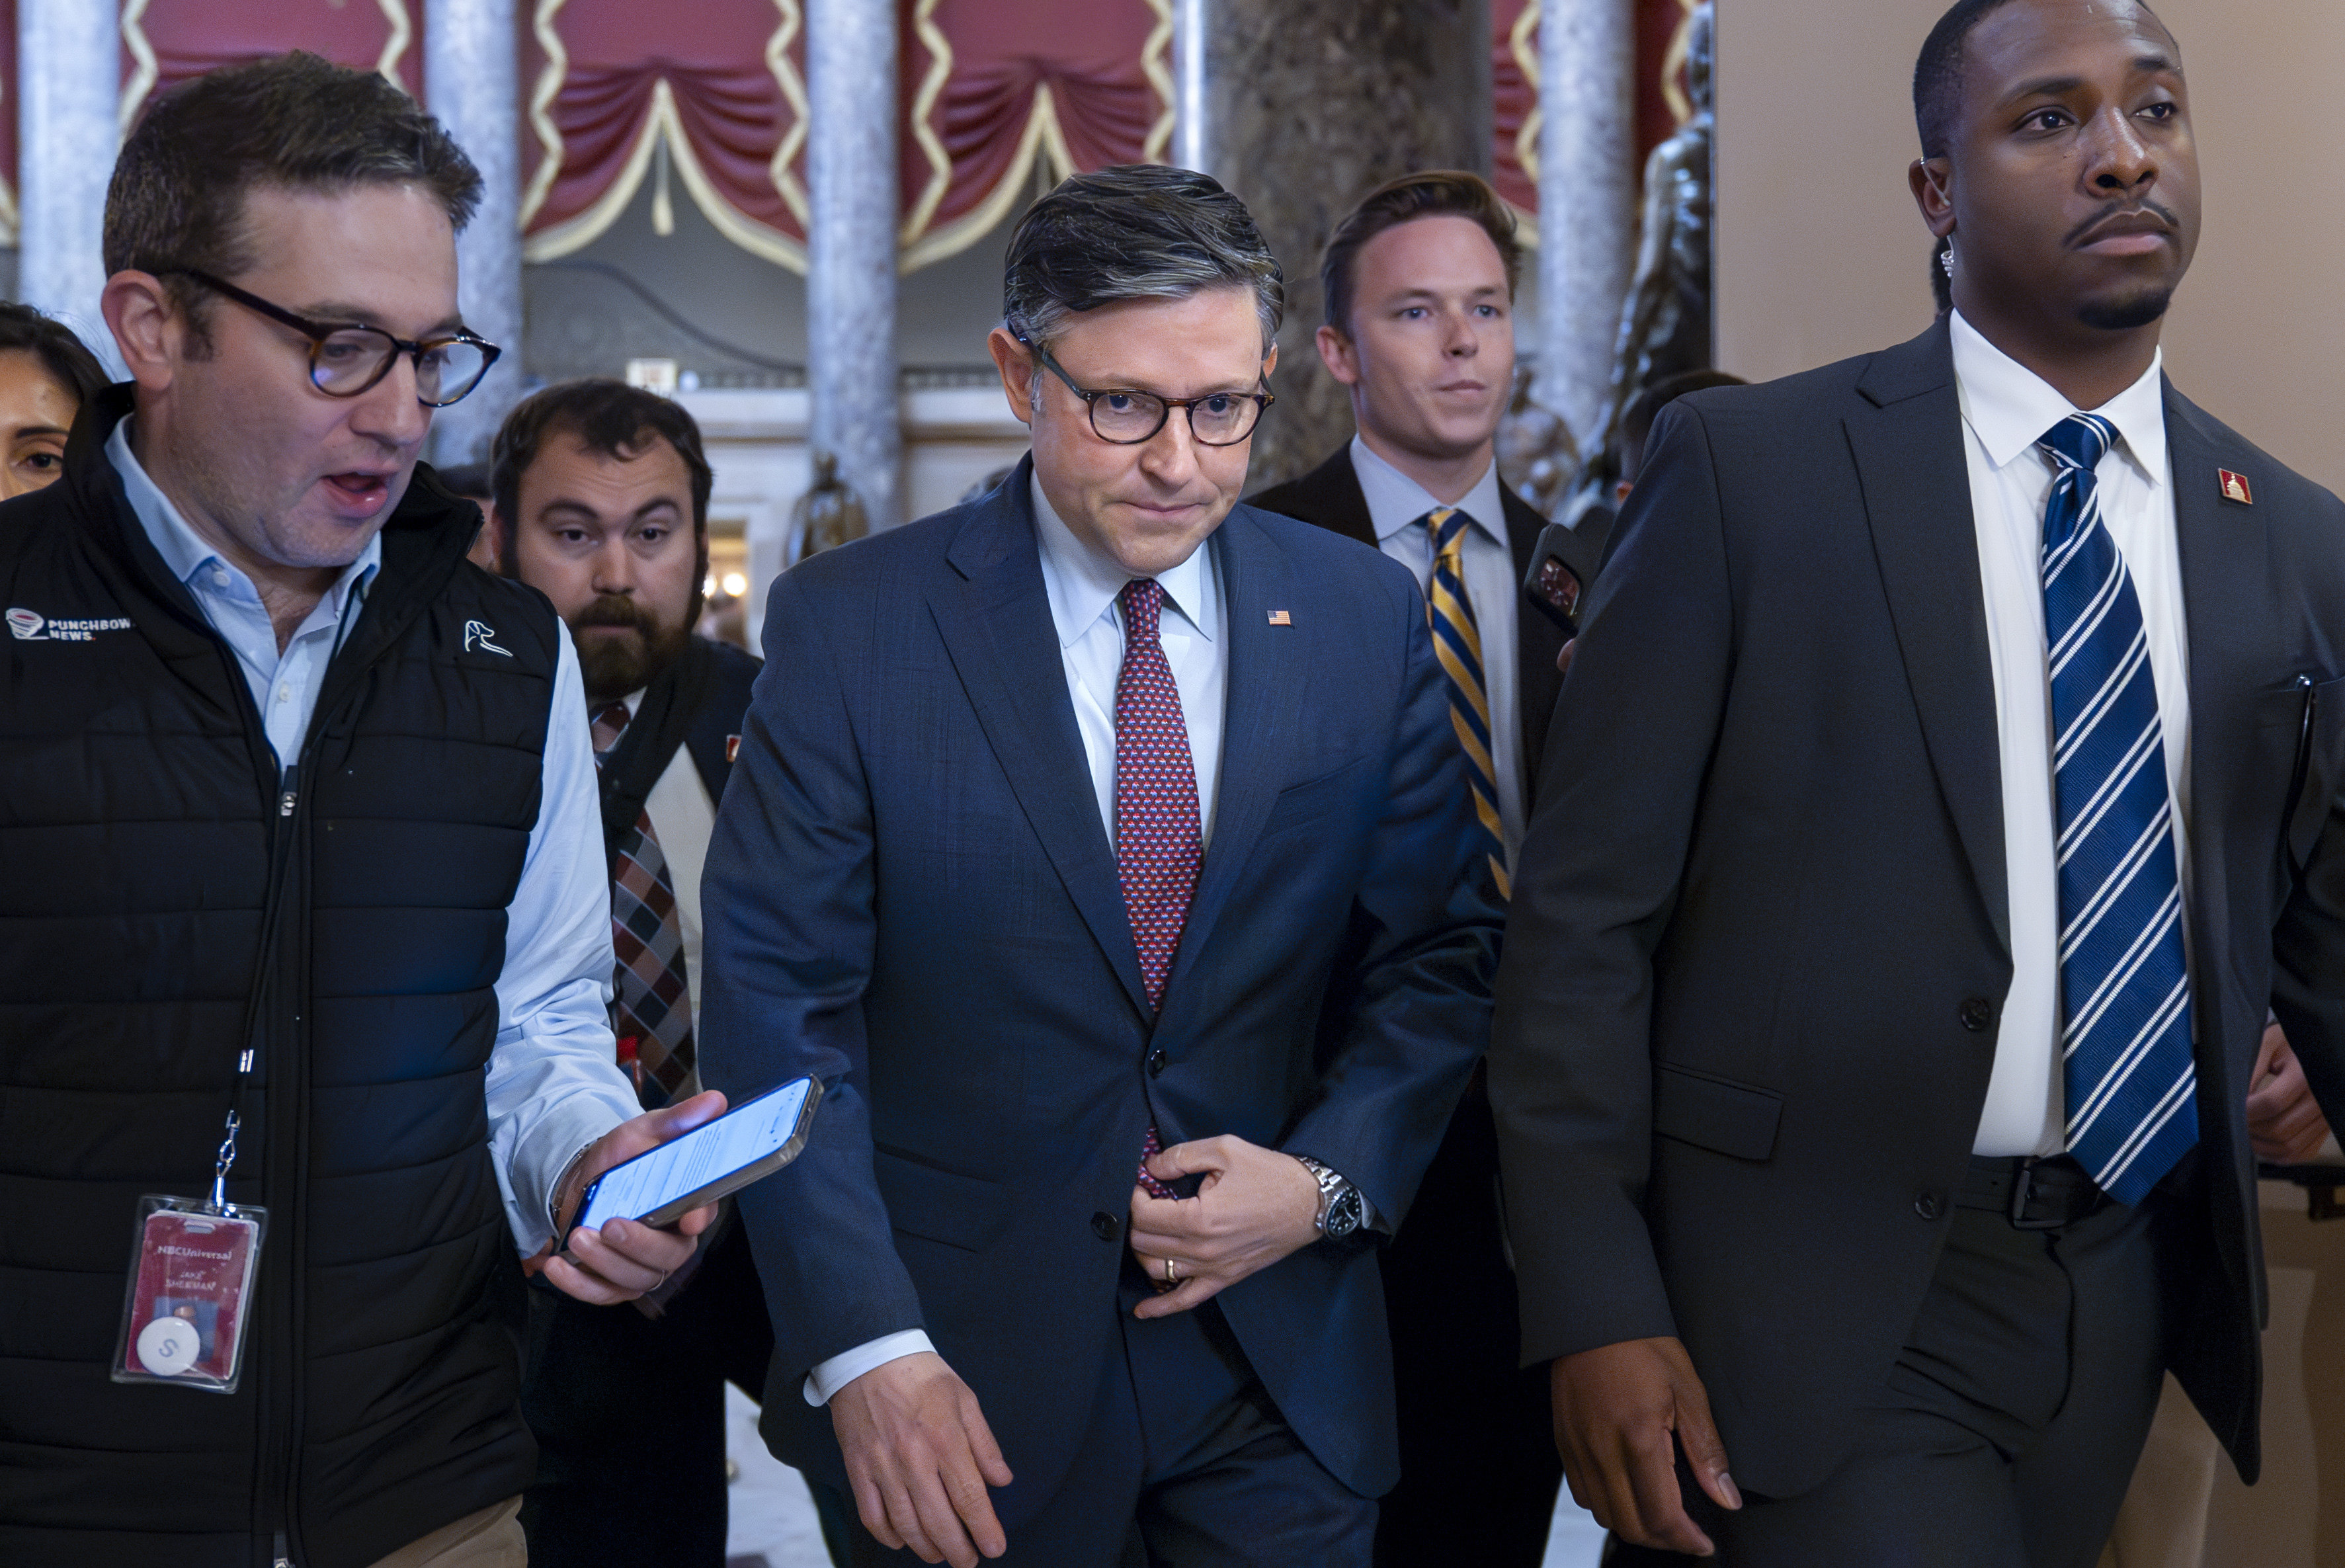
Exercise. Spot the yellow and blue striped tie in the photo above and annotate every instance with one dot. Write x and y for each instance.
(1457, 643)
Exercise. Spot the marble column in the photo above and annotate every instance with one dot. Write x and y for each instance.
(851, 191)
(1303, 108)
(471, 81)
(70, 84)
(1587, 201)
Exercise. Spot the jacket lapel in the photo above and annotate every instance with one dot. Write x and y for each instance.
(2227, 620)
(1907, 439)
(1258, 723)
(995, 621)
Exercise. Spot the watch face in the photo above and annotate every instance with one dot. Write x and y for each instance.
(1343, 1213)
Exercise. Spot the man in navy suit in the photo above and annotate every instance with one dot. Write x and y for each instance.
(1099, 820)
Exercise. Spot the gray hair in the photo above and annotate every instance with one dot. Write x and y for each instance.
(1139, 231)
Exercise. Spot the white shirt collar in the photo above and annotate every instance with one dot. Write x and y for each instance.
(1082, 585)
(1395, 501)
(2010, 407)
(189, 553)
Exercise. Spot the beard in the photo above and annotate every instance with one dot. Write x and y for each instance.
(614, 667)
(2125, 315)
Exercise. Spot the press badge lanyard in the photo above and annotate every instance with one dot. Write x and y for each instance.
(186, 1313)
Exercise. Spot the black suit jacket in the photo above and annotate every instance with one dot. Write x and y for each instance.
(1760, 942)
(1329, 496)
(911, 895)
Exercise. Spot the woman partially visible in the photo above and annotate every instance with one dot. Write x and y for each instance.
(45, 375)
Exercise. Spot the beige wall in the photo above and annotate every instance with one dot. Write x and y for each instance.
(1820, 254)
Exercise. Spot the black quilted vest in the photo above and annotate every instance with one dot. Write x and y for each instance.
(168, 898)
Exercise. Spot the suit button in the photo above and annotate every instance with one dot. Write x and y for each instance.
(1105, 1226)
(1156, 1061)
(1977, 1014)
(1929, 1206)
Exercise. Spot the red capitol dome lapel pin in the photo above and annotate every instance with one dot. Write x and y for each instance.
(2235, 487)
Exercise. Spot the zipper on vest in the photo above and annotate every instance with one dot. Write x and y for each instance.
(287, 1103)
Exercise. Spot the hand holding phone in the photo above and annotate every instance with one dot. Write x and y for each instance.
(662, 1185)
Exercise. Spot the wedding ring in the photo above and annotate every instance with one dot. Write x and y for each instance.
(1171, 1276)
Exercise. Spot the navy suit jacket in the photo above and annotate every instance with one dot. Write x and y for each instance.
(911, 896)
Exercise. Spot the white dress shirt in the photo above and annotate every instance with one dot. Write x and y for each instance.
(1082, 589)
(552, 1084)
(2006, 410)
(1395, 502)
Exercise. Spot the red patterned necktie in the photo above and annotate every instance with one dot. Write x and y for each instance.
(651, 1013)
(1158, 848)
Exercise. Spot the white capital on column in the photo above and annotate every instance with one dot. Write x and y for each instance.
(851, 180)
(470, 83)
(69, 86)
(1587, 201)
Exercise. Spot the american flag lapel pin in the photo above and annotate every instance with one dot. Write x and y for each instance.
(1280, 619)
(2235, 487)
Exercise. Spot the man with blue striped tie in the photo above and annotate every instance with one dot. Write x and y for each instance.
(1947, 783)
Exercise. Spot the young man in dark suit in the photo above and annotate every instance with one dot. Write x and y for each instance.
(600, 502)
(1945, 785)
(1420, 282)
(1100, 820)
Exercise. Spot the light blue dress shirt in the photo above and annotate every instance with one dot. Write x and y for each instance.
(1395, 501)
(554, 1082)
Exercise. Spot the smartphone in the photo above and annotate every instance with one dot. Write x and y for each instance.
(1559, 575)
(661, 1186)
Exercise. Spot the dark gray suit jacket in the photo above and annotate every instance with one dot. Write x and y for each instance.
(1760, 942)
(911, 895)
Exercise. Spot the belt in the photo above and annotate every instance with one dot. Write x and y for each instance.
(2033, 1194)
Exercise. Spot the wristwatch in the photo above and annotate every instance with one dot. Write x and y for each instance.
(1340, 1206)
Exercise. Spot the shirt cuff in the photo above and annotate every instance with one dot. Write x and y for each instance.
(841, 1369)
(545, 1154)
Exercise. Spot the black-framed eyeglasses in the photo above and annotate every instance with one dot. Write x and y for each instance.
(347, 359)
(1128, 418)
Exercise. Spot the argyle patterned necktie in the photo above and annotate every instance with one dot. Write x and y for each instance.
(2124, 992)
(1158, 846)
(651, 1013)
(1457, 643)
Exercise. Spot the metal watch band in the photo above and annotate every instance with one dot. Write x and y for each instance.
(1330, 1184)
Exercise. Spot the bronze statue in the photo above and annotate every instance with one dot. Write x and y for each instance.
(1537, 456)
(1665, 322)
(828, 514)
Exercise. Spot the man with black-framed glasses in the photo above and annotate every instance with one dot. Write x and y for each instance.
(1104, 845)
(312, 807)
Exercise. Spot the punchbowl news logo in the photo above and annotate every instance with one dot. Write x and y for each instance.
(32, 626)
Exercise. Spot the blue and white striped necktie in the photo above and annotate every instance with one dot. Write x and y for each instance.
(2124, 988)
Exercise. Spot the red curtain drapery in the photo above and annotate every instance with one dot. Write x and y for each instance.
(615, 92)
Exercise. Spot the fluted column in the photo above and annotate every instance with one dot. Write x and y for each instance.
(1587, 199)
(471, 81)
(851, 180)
(1302, 107)
(70, 84)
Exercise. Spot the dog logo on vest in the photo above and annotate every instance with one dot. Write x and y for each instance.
(477, 635)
